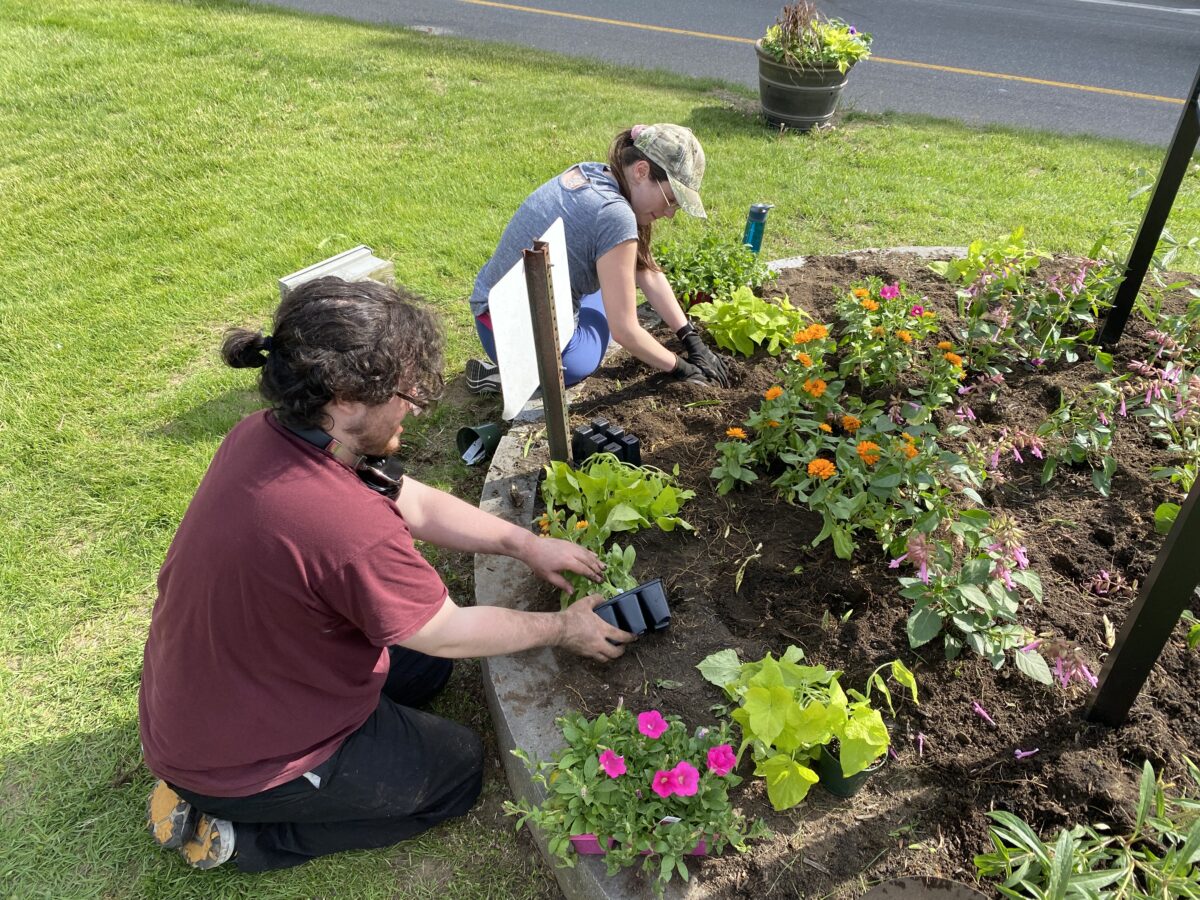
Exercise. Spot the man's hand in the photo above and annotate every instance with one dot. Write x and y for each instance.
(586, 634)
(696, 353)
(549, 557)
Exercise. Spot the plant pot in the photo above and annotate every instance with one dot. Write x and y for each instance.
(795, 97)
(829, 771)
(589, 845)
(639, 610)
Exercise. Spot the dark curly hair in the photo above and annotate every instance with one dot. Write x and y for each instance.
(350, 340)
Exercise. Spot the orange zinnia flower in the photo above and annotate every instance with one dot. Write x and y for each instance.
(861, 293)
(581, 525)
(877, 331)
(773, 393)
(803, 358)
(945, 345)
(905, 336)
(819, 331)
(821, 468)
(869, 451)
(870, 305)
(814, 386)
(772, 423)
(737, 433)
(851, 423)
(908, 437)
(954, 359)
(824, 426)
(910, 451)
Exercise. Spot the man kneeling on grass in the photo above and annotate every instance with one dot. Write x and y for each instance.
(297, 628)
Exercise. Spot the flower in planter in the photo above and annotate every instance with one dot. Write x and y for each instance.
(804, 38)
(651, 723)
(643, 786)
(613, 765)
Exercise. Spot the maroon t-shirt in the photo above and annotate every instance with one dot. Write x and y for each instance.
(284, 585)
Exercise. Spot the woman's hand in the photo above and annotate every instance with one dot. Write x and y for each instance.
(549, 557)
(695, 352)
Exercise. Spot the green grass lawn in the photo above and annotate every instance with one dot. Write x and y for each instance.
(163, 164)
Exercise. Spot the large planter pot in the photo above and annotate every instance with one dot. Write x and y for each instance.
(797, 98)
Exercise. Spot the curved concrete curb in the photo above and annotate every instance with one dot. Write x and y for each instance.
(524, 692)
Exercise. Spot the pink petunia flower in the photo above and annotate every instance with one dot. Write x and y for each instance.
(721, 759)
(687, 779)
(613, 765)
(663, 783)
(890, 291)
(651, 723)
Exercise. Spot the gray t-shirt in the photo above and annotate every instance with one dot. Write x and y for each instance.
(595, 218)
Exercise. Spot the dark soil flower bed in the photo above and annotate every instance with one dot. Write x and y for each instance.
(748, 579)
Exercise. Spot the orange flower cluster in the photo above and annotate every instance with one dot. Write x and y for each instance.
(814, 386)
(772, 423)
(581, 525)
(905, 336)
(821, 468)
(878, 331)
(954, 359)
(945, 345)
(814, 332)
(736, 433)
(869, 451)
(826, 427)
(803, 358)
(773, 393)
(909, 447)
(851, 423)
(861, 293)
(544, 524)
(870, 305)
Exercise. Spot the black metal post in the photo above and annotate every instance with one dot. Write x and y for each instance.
(1150, 622)
(546, 348)
(1174, 167)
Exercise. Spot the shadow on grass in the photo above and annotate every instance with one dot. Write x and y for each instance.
(211, 419)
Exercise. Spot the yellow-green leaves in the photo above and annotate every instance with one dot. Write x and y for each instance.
(787, 780)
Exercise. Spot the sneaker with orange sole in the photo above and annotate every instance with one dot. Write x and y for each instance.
(170, 819)
(211, 845)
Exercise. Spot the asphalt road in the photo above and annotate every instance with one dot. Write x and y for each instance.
(1101, 67)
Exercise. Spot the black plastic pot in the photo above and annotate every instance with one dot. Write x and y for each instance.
(601, 437)
(829, 770)
(644, 608)
(795, 97)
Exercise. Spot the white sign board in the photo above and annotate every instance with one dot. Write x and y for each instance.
(512, 323)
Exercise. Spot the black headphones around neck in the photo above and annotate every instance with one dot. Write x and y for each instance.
(382, 474)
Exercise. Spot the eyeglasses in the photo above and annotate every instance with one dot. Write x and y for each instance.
(426, 399)
(671, 204)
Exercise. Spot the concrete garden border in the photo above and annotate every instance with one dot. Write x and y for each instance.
(525, 692)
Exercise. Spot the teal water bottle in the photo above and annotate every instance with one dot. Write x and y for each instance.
(756, 223)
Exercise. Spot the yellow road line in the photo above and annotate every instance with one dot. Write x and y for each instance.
(879, 59)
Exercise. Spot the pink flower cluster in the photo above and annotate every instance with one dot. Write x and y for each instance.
(684, 779)
(920, 554)
(890, 291)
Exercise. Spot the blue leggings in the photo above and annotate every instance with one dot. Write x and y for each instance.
(583, 353)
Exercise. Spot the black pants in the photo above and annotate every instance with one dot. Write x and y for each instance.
(400, 773)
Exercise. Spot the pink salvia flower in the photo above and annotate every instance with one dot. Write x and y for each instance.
(1021, 557)
(1025, 754)
(1017, 455)
(721, 759)
(920, 744)
(687, 779)
(613, 765)
(663, 783)
(890, 291)
(1121, 411)
(983, 713)
(651, 723)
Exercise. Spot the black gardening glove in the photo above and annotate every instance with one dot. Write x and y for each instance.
(685, 371)
(701, 357)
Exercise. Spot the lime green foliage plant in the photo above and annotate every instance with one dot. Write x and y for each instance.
(804, 38)
(646, 783)
(787, 711)
(712, 268)
(1193, 634)
(744, 322)
(602, 497)
(1158, 858)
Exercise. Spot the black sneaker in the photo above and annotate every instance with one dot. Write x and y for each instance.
(483, 377)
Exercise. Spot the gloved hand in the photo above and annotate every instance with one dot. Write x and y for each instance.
(700, 356)
(685, 371)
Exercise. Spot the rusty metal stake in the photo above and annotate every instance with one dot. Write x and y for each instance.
(546, 349)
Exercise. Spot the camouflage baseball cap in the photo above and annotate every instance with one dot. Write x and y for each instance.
(677, 151)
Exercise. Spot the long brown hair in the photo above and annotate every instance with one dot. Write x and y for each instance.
(622, 153)
(342, 340)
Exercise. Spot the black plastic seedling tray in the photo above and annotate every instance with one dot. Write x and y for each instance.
(644, 608)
